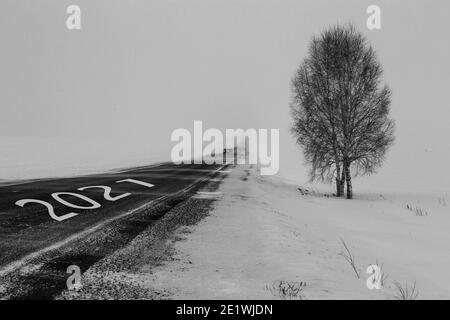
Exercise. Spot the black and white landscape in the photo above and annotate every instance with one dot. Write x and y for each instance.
(346, 101)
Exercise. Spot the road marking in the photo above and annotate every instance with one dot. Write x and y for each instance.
(107, 192)
(142, 183)
(216, 180)
(207, 195)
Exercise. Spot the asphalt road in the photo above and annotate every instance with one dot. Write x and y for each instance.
(66, 208)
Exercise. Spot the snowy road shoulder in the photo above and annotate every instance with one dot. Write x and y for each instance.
(263, 236)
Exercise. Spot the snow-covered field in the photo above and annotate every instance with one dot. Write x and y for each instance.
(263, 230)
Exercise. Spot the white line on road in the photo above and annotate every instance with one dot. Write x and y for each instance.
(207, 195)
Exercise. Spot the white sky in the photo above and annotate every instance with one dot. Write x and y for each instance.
(139, 69)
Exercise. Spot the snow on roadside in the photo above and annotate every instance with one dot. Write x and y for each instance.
(264, 231)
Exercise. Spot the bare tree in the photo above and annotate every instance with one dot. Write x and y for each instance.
(340, 108)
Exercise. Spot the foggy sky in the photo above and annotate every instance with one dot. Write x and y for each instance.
(140, 69)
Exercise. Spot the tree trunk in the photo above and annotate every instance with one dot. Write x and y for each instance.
(338, 187)
(339, 192)
(342, 186)
(348, 178)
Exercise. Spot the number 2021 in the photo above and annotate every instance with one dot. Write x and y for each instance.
(92, 204)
